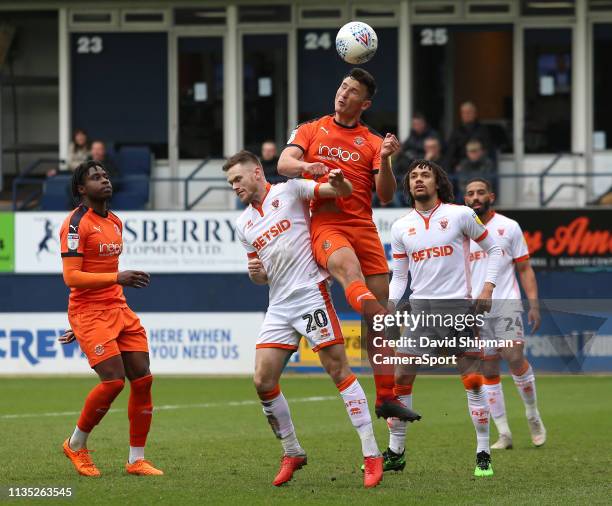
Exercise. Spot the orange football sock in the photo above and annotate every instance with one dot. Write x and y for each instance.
(140, 410)
(362, 300)
(98, 403)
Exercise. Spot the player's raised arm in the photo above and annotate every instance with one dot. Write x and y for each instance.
(385, 180)
(291, 164)
(337, 186)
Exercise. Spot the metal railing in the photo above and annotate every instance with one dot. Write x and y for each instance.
(220, 184)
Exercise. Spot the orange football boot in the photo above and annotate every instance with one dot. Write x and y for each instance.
(288, 466)
(143, 467)
(372, 471)
(81, 460)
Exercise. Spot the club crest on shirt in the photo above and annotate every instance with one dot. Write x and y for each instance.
(326, 245)
(500, 231)
(275, 203)
(443, 223)
(73, 241)
(412, 231)
(99, 349)
(359, 141)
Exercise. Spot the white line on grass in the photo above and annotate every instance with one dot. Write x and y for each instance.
(170, 407)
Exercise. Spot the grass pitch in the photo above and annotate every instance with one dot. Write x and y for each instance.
(212, 441)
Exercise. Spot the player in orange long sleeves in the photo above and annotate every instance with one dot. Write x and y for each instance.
(345, 240)
(107, 330)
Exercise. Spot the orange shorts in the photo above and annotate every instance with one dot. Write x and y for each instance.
(362, 237)
(104, 334)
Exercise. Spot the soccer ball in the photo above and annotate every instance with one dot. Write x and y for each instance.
(356, 42)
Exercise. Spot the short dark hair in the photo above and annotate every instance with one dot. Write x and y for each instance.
(243, 156)
(445, 187)
(79, 175)
(363, 77)
(486, 182)
(419, 115)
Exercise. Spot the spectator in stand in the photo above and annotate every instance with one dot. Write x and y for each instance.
(98, 153)
(413, 146)
(475, 164)
(269, 161)
(433, 151)
(470, 128)
(78, 152)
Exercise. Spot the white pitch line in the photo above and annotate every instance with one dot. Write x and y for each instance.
(170, 407)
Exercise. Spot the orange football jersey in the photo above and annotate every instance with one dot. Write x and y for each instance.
(355, 150)
(98, 241)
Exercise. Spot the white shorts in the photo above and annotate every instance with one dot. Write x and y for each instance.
(507, 327)
(307, 312)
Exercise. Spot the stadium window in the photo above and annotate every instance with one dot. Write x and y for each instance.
(600, 5)
(264, 13)
(199, 16)
(320, 13)
(130, 104)
(143, 17)
(457, 63)
(200, 97)
(320, 72)
(602, 84)
(547, 8)
(265, 89)
(548, 90)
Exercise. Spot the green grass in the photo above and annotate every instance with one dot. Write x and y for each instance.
(226, 454)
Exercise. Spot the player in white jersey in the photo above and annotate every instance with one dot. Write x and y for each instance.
(274, 229)
(431, 243)
(504, 322)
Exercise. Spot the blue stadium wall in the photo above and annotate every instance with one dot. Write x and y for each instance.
(234, 292)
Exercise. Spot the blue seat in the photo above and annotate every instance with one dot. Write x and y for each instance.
(134, 193)
(134, 160)
(56, 193)
(128, 201)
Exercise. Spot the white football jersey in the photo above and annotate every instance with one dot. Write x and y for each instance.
(436, 247)
(278, 232)
(508, 235)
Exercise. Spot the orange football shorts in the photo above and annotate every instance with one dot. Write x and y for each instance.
(362, 237)
(105, 334)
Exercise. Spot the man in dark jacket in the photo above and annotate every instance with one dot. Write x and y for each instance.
(469, 129)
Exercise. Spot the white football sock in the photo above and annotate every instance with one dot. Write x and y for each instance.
(397, 428)
(479, 411)
(136, 453)
(78, 439)
(279, 418)
(291, 446)
(497, 407)
(527, 390)
(359, 413)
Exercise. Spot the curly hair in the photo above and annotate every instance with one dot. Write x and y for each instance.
(78, 177)
(445, 187)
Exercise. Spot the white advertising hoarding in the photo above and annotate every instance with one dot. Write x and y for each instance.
(152, 241)
(157, 242)
(179, 343)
